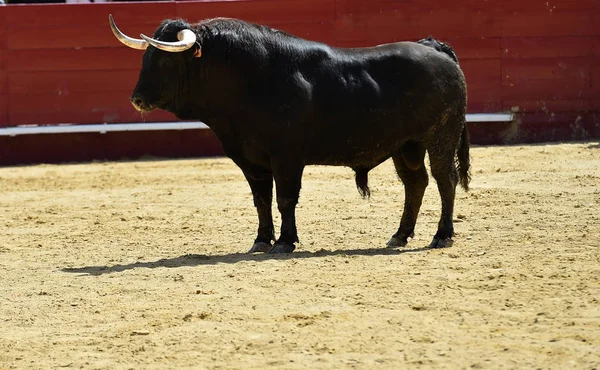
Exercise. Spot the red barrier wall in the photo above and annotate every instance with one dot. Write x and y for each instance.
(60, 63)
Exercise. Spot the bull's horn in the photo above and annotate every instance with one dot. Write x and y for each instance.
(187, 39)
(126, 40)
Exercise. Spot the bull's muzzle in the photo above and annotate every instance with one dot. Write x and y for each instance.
(139, 103)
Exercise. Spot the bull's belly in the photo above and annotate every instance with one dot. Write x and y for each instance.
(351, 154)
(362, 142)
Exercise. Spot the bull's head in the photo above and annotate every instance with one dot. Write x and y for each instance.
(164, 77)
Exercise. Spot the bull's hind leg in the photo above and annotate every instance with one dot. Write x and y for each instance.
(411, 169)
(444, 171)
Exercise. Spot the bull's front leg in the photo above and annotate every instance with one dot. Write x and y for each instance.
(261, 184)
(288, 180)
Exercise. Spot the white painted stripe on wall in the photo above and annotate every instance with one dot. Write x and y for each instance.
(157, 126)
(490, 117)
(100, 128)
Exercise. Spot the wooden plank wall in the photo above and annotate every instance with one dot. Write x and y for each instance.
(60, 63)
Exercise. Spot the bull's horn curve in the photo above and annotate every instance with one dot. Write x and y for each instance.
(126, 40)
(187, 39)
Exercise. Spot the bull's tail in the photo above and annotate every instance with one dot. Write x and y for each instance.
(440, 46)
(362, 181)
(464, 160)
(449, 51)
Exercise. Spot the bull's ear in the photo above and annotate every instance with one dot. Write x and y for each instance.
(198, 51)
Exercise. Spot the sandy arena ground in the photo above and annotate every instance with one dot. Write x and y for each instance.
(143, 265)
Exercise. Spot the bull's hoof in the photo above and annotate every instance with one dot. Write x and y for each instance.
(263, 247)
(399, 241)
(282, 248)
(441, 243)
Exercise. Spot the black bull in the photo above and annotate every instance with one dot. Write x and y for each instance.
(278, 103)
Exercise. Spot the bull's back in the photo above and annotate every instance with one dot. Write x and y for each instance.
(368, 102)
(386, 77)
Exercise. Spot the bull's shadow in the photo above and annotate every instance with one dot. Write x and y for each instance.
(593, 146)
(200, 259)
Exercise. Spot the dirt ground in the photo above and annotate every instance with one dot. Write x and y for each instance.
(143, 265)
